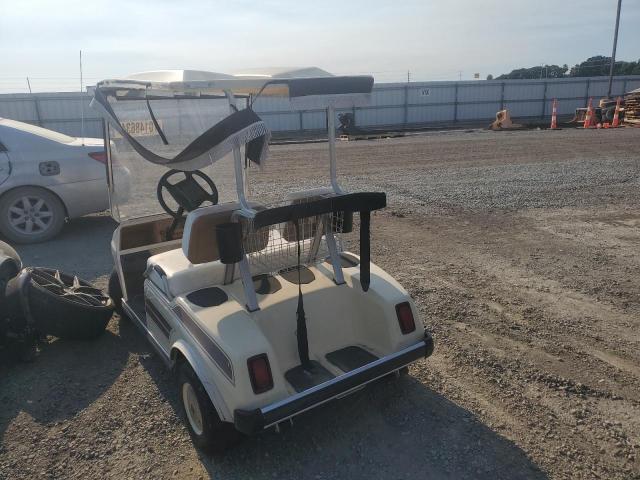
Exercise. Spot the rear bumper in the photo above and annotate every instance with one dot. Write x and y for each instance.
(253, 421)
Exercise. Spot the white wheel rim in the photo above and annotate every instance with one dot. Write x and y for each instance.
(192, 407)
(30, 215)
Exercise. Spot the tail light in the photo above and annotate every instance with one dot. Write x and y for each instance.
(99, 156)
(260, 373)
(405, 318)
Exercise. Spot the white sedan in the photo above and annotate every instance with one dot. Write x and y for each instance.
(47, 177)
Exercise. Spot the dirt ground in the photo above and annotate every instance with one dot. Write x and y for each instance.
(522, 251)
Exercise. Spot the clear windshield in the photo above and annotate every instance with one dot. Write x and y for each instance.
(135, 180)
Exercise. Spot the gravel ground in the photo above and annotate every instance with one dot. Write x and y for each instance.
(522, 252)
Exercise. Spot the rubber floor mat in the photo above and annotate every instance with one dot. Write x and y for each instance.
(302, 379)
(350, 358)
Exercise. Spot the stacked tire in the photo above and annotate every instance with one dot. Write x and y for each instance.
(65, 306)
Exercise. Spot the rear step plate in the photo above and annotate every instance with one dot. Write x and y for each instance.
(350, 358)
(302, 379)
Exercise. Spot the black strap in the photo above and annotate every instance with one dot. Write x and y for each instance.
(301, 321)
(155, 122)
(365, 251)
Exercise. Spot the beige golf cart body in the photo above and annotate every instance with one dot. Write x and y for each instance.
(224, 288)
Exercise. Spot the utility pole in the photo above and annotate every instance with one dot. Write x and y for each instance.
(29, 85)
(408, 76)
(613, 54)
(460, 75)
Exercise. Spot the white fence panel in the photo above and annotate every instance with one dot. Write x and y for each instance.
(394, 105)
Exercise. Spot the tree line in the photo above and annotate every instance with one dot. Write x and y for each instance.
(592, 67)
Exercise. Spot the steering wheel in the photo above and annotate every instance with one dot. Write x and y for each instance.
(188, 193)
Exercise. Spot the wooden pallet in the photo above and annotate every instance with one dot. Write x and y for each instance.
(371, 136)
(632, 109)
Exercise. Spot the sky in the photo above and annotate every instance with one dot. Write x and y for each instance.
(432, 40)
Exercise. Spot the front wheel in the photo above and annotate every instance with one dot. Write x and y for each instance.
(31, 215)
(115, 292)
(207, 431)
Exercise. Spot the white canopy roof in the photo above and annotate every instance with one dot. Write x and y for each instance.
(307, 87)
(177, 76)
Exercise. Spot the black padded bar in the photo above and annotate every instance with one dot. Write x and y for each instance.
(350, 202)
(302, 87)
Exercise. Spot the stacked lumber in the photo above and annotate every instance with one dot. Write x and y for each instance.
(632, 107)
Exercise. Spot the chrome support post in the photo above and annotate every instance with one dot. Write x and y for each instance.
(237, 159)
(110, 184)
(247, 283)
(317, 238)
(331, 132)
(338, 277)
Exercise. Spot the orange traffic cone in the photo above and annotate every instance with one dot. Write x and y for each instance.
(588, 119)
(616, 115)
(554, 115)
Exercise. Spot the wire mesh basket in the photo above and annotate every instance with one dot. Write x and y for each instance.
(274, 248)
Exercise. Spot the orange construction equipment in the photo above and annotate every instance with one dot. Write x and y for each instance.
(503, 121)
(588, 119)
(616, 114)
(554, 115)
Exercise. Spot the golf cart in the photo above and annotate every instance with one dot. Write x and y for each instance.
(258, 305)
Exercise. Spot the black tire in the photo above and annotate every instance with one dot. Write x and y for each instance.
(115, 292)
(210, 434)
(65, 306)
(9, 251)
(10, 266)
(44, 213)
(607, 114)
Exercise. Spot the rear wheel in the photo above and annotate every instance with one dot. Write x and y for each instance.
(31, 215)
(207, 431)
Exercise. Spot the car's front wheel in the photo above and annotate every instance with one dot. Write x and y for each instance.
(207, 431)
(30, 215)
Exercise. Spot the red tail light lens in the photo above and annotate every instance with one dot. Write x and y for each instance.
(260, 373)
(405, 318)
(99, 156)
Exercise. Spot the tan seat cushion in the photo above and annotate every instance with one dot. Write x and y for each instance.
(199, 241)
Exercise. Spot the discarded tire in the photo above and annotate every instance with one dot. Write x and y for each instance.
(65, 306)
(607, 114)
(8, 251)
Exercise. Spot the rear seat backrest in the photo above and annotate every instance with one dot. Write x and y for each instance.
(199, 241)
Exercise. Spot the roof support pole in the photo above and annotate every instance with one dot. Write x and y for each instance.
(237, 160)
(331, 132)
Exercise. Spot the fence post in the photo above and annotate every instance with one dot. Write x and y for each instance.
(586, 94)
(300, 120)
(455, 104)
(502, 96)
(624, 87)
(36, 107)
(406, 104)
(544, 100)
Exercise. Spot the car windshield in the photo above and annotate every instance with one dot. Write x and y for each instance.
(34, 130)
